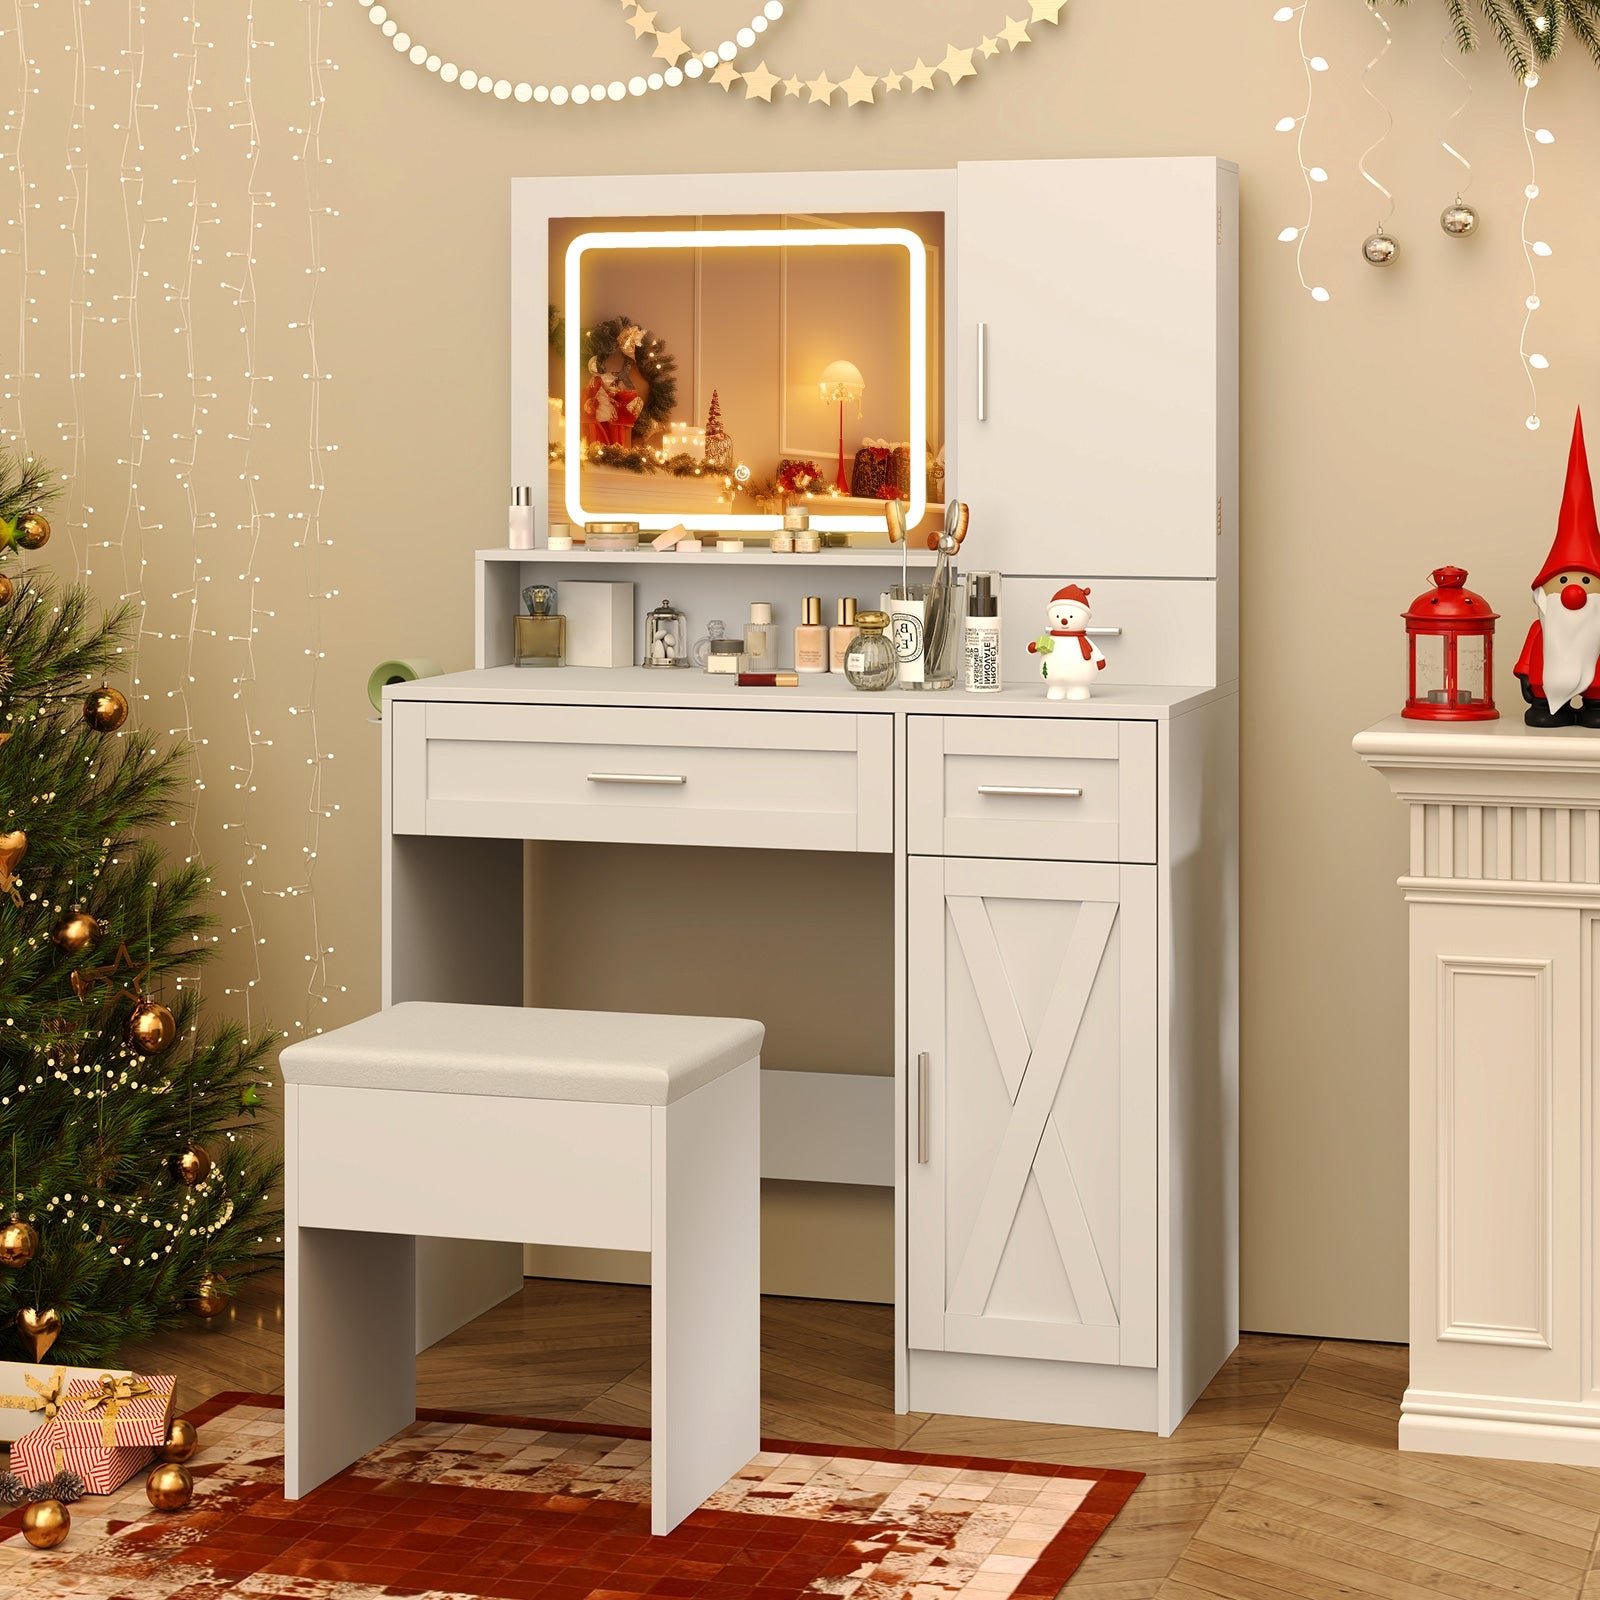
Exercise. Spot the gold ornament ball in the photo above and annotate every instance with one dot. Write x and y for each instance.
(1380, 249)
(168, 1488)
(8, 590)
(191, 1165)
(105, 710)
(1458, 220)
(151, 1028)
(32, 531)
(18, 1241)
(210, 1297)
(45, 1523)
(75, 932)
(38, 1329)
(183, 1439)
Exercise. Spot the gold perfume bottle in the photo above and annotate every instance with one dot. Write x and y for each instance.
(541, 635)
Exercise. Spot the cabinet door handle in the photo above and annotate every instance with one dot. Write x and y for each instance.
(983, 372)
(1104, 633)
(637, 777)
(1031, 791)
(922, 1109)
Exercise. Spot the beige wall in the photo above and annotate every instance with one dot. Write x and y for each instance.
(1382, 434)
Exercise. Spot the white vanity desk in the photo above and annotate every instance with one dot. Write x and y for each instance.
(1059, 1119)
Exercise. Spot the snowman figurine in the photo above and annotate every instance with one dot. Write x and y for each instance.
(1068, 658)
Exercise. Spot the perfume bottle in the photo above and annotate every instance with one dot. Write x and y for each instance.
(844, 629)
(980, 672)
(811, 638)
(520, 522)
(541, 635)
(870, 661)
(760, 639)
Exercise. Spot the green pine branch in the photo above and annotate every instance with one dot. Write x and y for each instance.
(1527, 31)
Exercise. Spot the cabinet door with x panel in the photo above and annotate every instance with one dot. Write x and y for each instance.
(1032, 1150)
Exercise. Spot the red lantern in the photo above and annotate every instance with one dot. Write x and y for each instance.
(1450, 632)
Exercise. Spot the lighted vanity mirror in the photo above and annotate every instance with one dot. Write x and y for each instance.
(718, 371)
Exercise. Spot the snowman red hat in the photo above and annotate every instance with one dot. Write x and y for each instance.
(1560, 659)
(1074, 593)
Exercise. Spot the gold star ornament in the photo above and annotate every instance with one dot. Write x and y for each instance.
(642, 22)
(858, 88)
(759, 83)
(821, 88)
(670, 46)
(957, 64)
(725, 75)
(921, 75)
(1015, 32)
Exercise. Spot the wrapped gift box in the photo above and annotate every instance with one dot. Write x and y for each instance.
(105, 1429)
(29, 1393)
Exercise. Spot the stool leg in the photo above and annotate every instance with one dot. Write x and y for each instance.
(350, 1366)
(705, 1294)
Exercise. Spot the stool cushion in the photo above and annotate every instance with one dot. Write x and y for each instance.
(612, 1056)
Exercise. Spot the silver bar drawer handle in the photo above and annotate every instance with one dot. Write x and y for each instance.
(1104, 633)
(1030, 791)
(983, 372)
(922, 1109)
(636, 777)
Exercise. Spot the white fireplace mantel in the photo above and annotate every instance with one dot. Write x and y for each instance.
(1503, 886)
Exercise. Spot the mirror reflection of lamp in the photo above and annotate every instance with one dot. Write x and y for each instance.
(842, 381)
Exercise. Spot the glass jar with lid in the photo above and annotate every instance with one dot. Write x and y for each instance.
(666, 637)
(869, 663)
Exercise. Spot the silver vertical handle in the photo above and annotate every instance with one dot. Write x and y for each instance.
(922, 1109)
(983, 372)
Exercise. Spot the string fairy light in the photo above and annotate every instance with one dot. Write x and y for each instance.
(1533, 249)
(1380, 249)
(1310, 176)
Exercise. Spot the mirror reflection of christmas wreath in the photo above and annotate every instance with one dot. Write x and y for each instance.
(646, 370)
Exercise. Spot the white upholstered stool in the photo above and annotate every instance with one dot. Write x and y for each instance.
(595, 1129)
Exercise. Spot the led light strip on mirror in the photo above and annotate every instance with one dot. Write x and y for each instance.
(717, 67)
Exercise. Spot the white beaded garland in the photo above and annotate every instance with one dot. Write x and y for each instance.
(579, 94)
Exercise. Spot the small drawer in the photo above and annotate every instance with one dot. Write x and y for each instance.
(1028, 788)
(631, 775)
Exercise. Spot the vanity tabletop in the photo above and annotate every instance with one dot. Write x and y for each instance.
(826, 691)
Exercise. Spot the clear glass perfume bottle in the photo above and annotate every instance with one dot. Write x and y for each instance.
(541, 635)
(870, 661)
(760, 639)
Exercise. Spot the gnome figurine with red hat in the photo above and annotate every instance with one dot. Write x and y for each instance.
(1558, 664)
(1068, 657)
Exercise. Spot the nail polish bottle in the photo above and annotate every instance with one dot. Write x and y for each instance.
(811, 638)
(841, 633)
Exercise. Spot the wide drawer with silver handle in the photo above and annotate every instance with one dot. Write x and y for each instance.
(764, 779)
(1032, 788)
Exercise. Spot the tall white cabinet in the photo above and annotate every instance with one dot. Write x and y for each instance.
(1063, 1119)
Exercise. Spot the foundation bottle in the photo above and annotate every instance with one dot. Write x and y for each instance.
(811, 638)
(841, 633)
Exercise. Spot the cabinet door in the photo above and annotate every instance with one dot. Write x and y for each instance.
(1032, 1150)
(1095, 286)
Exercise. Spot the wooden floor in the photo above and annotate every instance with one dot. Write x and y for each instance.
(1283, 1481)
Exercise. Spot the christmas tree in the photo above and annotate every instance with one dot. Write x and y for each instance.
(718, 445)
(137, 1183)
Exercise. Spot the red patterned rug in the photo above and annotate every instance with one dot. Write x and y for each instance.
(463, 1506)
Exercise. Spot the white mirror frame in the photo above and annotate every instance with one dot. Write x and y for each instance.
(746, 239)
(536, 202)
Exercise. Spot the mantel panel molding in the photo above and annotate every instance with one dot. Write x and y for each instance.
(1503, 887)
